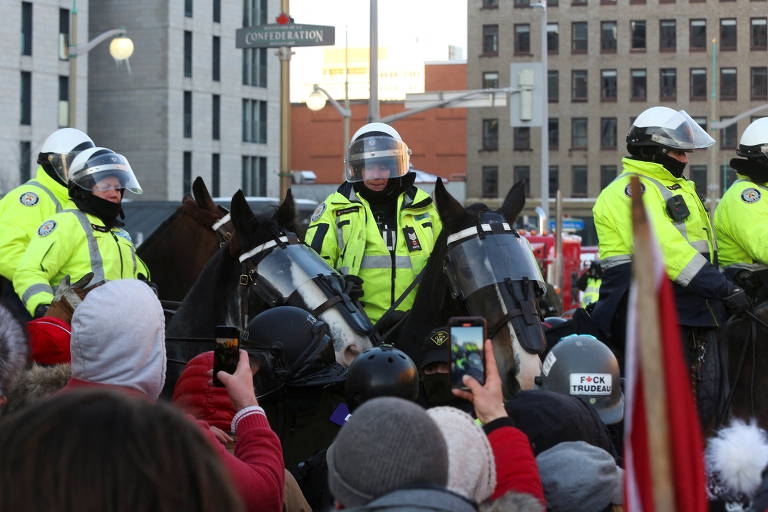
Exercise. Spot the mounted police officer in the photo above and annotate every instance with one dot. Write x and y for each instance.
(658, 143)
(741, 218)
(24, 208)
(82, 239)
(377, 226)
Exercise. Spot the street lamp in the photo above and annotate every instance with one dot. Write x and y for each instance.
(121, 48)
(316, 101)
(544, 144)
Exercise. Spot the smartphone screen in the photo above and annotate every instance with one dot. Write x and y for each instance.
(467, 355)
(227, 351)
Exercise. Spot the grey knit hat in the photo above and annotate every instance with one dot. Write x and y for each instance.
(388, 443)
(577, 476)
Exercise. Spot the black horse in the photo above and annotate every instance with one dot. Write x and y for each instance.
(481, 266)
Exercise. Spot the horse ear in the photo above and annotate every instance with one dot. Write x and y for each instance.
(514, 202)
(241, 213)
(285, 216)
(448, 207)
(202, 196)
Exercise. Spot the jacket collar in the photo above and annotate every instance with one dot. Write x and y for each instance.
(651, 169)
(60, 191)
(412, 199)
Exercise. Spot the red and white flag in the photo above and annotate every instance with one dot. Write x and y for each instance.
(663, 447)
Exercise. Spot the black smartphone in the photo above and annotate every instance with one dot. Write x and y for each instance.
(227, 351)
(467, 354)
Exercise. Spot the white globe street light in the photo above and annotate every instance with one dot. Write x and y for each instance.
(121, 48)
(316, 101)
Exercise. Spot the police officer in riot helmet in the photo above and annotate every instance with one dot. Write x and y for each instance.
(381, 371)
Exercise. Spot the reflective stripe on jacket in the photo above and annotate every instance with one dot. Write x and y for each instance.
(22, 210)
(344, 233)
(591, 292)
(73, 243)
(741, 223)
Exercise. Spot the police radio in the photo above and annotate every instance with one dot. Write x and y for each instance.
(677, 209)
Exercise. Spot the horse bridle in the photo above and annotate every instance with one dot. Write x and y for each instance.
(222, 234)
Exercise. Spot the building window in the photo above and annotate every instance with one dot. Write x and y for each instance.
(25, 161)
(255, 121)
(254, 12)
(215, 117)
(554, 180)
(490, 40)
(521, 138)
(26, 98)
(667, 35)
(698, 84)
(758, 83)
(758, 35)
(579, 37)
(490, 80)
(639, 89)
(668, 84)
(728, 34)
(254, 176)
(608, 37)
(699, 178)
(188, 8)
(63, 109)
(578, 2)
(553, 86)
(579, 181)
(608, 85)
(186, 186)
(578, 133)
(727, 83)
(522, 39)
(490, 181)
(607, 133)
(554, 133)
(701, 121)
(490, 4)
(63, 34)
(607, 175)
(522, 3)
(728, 135)
(255, 67)
(637, 31)
(215, 174)
(523, 172)
(553, 38)
(26, 28)
(490, 134)
(217, 11)
(579, 85)
(187, 114)
(216, 59)
(698, 35)
(187, 53)
(727, 176)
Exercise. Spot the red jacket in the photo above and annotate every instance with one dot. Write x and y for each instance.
(516, 468)
(197, 397)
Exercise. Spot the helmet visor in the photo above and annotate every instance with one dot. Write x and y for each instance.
(680, 132)
(289, 268)
(377, 157)
(109, 171)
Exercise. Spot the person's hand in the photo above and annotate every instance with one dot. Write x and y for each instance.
(239, 385)
(488, 399)
(737, 302)
(222, 436)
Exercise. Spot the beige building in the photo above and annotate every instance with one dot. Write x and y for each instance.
(608, 61)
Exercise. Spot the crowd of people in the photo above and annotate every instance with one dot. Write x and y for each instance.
(82, 425)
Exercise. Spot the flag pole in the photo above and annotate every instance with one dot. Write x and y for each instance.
(649, 346)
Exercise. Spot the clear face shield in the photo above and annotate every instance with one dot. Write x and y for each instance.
(376, 157)
(290, 268)
(106, 172)
(680, 132)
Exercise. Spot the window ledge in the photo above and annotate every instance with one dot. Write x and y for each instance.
(579, 100)
(638, 50)
(607, 100)
(637, 100)
(668, 50)
(613, 51)
(488, 55)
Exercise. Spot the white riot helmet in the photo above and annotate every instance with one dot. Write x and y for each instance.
(376, 145)
(663, 127)
(754, 140)
(91, 167)
(59, 149)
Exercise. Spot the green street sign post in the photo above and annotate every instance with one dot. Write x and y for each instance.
(274, 35)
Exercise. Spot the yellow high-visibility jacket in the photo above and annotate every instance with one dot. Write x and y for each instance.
(741, 223)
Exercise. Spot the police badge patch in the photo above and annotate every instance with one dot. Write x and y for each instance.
(439, 336)
(628, 190)
(29, 199)
(46, 228)
(750, 195)
(318, 212)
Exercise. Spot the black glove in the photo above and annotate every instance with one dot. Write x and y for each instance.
(737, 302)
(354, 287)
(152, 285)
(41, 309)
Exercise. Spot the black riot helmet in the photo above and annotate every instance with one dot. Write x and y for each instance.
(293, 348)
(381, 371)
(582, 366)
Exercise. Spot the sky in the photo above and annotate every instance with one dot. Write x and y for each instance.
(419, 30)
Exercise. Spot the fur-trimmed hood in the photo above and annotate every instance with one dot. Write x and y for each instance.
(34, 383)
(736, 457)
(13, 350)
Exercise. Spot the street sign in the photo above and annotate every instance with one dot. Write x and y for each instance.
(274, 35)
(568, 225)
(525, 109)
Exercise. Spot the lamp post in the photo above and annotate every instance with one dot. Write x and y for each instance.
(121, 48)
(713, 180)
(544, 144)
(316, 101)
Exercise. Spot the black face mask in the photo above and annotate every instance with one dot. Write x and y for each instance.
(675, 167)
(755, 169)
(437, 388)
(105, 210)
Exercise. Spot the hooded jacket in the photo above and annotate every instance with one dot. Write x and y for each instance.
(195, 396)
